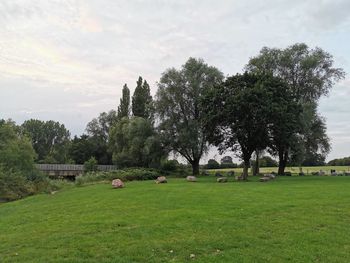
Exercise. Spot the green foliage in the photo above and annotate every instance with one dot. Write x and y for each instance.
(16, 151)
(238, 113)
(13, 186)
(98, 131)
(50, 140)
(134, 143)
(124, 106)
(309, 74)
(142, 103)
(130, 174)
(340, 162)
(90, 165)
(81, 149)
(212, 164)
(267, 161)
(169, 165)
(179, 110)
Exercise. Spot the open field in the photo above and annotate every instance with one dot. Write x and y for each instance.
(291, 219)
(294, 170)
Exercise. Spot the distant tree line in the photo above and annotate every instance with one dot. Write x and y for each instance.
(268, 110)
(340, 162)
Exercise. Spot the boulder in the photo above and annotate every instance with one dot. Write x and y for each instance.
(347, 173)
(222, 180)
(264, 179)
(191, 178)
(117, 183)
(161, 180)
(271, 176)
(322, 172)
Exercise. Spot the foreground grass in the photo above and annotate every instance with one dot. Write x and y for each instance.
(295, 219)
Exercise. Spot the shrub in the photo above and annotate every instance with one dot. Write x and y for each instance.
(90, 165)
(14, 186)
(130, 174)
(169, 165)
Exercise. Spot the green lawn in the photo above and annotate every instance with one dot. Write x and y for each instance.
(291, 219)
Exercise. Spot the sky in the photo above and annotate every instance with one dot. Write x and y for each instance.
(67, 60)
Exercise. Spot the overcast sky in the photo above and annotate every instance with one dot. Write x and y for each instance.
(67, 60)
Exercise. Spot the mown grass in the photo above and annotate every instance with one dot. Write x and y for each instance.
(294, 170)
(291, 219)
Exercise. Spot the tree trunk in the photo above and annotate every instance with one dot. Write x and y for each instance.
(195, 167)
(245, 169)
(283, 157)
(257, 164)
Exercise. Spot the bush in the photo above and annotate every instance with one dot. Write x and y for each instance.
(169, 165)
(130, 174)
(14, 186)
(90, 165)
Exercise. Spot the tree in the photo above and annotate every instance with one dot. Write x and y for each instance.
(16, 151)
(98, 130)
(90, 165)
(212, 164)
(309, 74)
(237, 114)
(124, 106)
(50, 140)
(142, 103)
(81, 149)
(179, 109)
(135, 143)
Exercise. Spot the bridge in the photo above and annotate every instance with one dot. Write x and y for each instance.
(69, 171)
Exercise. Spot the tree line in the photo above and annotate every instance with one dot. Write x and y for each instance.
(272, 107)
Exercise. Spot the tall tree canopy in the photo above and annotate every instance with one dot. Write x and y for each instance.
(135, 143)
(124, 106)
(309, 74)
(142, 102)
(238, 113)
(82, 149)
(179, 109)
(98, 130)
(50, 140)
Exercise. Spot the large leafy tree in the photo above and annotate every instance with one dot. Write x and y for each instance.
(124, 106)
(135, 143)
(142, 102)
(238, 114)
(309, 74)
(16, 151)
(50, 140)
(81, 149)
(98, 130)
(179, 109)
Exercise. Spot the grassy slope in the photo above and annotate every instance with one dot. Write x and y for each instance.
(297, 219)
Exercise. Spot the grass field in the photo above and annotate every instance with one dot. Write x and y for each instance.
(295, 170)
(291, 219)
